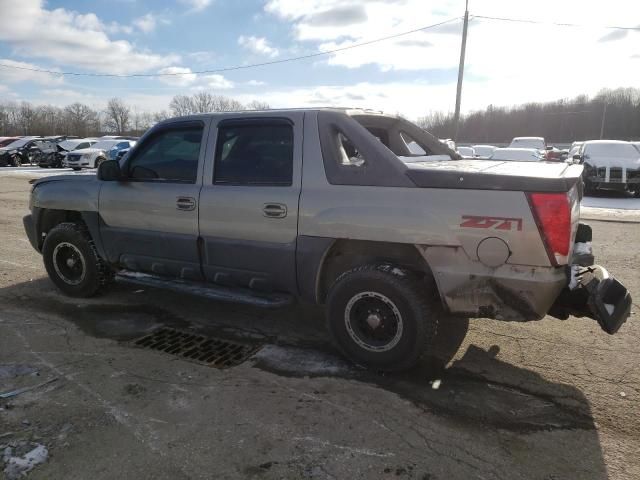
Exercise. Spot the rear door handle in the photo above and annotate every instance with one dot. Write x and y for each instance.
(186, 203)
(274, 210)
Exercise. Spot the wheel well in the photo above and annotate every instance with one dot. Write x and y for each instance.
(50, 218)
(345, 255)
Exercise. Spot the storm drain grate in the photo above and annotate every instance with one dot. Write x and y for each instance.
(198, 348)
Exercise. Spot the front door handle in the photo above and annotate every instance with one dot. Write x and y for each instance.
(186, 203)
(274, 210)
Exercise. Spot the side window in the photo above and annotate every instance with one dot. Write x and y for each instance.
(83, 145)
(254, 154)
(170, 155)
(412, 145)
(349, 154)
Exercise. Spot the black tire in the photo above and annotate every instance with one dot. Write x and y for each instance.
(72, 261)
(15, 161)
(396, 304)
(76, 169)
(98, 161)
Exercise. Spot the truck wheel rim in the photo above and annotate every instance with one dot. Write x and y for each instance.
(69, 263)
(373, 321)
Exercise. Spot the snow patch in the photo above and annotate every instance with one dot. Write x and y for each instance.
(17, 467)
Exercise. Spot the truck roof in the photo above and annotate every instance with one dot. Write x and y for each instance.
(346, 110)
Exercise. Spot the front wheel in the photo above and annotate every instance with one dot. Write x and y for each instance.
(15, 161)
(72, 262)
(381, 317)
(99, 160)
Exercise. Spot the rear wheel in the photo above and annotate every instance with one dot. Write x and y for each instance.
(15, 161)
(381, 317)
(72, 261)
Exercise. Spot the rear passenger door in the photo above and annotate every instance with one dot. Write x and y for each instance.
(249, 202)
(150, 218)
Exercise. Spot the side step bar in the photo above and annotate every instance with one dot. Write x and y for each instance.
(211, 291)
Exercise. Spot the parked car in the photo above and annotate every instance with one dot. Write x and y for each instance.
(467, 152)
(56, 158)
(554, 154)
(518, 154)
(21, 151)
(610, 165)
(484, 151)
(529, 142)
(93, 156)
(574, 152)
(122, 145)
(121, 153)
(390, 248)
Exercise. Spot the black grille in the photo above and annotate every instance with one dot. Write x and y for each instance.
(615, 173)
(73, 156)
(214, 352)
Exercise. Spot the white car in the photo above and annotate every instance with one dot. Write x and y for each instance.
(467, 152)
(517, 154)
(528, 142)
(611, 165)
(484, 151)
(95, 155)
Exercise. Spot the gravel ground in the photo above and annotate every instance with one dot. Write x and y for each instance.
(546, 400)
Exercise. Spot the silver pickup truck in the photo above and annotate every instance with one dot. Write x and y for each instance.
(330, 207)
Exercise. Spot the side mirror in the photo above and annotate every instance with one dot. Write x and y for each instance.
(109, 171)
(577, 157)
(549, 147)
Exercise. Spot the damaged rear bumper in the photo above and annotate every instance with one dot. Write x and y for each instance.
(592, 292)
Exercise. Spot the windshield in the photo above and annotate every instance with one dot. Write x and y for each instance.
(524, 155)
(528, 143)
(105, 144)
(19, 143)
(618, 150)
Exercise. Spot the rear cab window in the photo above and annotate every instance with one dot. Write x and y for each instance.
(258, 152)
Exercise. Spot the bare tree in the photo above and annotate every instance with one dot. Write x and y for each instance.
(257, 105)
(226, 104)
(27, 116)
(117, 116)
(80, 119)
(181, 105)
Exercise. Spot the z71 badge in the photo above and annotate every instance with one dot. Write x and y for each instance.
(496, 223)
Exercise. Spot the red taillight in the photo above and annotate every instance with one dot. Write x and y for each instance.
(553, 215)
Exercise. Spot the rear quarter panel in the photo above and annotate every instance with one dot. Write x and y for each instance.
(420, 216)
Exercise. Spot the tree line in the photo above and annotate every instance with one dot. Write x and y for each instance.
(561, 121)
(118, 118)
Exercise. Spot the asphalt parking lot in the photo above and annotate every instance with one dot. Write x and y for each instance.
(546, 400)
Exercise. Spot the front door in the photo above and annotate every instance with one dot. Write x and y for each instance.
(150, 219)
(249, 203)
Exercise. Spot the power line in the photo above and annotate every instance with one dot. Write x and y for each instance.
(558, 24)
(234, 67)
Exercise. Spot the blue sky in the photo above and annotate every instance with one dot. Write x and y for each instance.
(507, 62)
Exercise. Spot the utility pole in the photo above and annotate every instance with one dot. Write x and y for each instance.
(604, 116)
(463, 48)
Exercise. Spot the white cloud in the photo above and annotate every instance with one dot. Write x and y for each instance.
(259, 45)
(506, 62)
(71, 38)
(24, 73)
(147, 23)
(256, 83)
(196, 5)
(185, 78)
